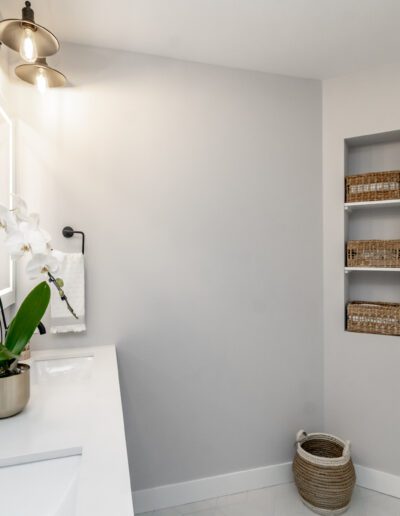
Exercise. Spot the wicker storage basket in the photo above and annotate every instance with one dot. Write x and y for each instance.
(324, 472)
(374, 186)
(367, 317)
(373, 253)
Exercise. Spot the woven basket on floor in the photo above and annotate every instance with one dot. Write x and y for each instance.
(374, 186)
(373, 253)
(324, 472)
(378, 317)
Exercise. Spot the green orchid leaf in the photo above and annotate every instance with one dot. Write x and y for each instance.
(27, 318)
(5, 354)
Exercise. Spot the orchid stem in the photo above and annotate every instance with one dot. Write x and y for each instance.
(63, 297)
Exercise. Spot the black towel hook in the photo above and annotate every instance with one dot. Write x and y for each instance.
(68, 232)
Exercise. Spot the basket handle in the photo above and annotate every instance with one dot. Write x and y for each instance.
(301, 436)
(346, 449)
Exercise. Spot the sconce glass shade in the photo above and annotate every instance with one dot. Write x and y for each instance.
(12, 33)
(41, 75)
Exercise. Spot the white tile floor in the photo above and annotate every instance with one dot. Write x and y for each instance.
(281, 501)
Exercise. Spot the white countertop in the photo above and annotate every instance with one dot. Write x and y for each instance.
(75, 407)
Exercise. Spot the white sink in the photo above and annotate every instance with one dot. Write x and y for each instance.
(44, 488)
(65, 370)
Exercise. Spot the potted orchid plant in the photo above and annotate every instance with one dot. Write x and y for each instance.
(24, 236)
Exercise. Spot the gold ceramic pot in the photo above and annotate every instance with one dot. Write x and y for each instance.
(14, 392)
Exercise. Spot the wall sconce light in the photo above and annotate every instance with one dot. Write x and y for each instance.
(41, 75)
(34, 43)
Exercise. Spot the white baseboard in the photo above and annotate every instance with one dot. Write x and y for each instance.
(231, 483)
(378, 481)
(211, 487)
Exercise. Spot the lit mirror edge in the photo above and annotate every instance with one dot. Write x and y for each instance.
(8, 294)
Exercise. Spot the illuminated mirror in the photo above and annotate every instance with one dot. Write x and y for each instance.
(7, 281)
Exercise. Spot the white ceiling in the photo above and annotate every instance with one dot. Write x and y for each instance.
(306, 38)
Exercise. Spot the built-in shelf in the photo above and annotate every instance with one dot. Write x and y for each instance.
(371, 220)
(374, 269)
(392, 203)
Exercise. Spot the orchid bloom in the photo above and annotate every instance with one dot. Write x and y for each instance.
(27, 238)
(21, 211)
(8, 220)
(24, 235)
(42, 264)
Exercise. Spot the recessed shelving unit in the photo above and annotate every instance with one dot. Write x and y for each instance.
(372, 220)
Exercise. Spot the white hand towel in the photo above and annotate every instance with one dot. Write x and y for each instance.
(72, 272)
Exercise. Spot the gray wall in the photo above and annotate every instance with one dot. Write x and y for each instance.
(199, 189)
(361, 371)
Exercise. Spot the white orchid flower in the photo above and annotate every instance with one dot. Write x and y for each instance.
(24, 235)
(42, 264)
(7, 219)
(27, 238)
(20, 209)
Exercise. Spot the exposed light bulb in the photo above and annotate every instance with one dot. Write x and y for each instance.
(41, 81)
(28, 50)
